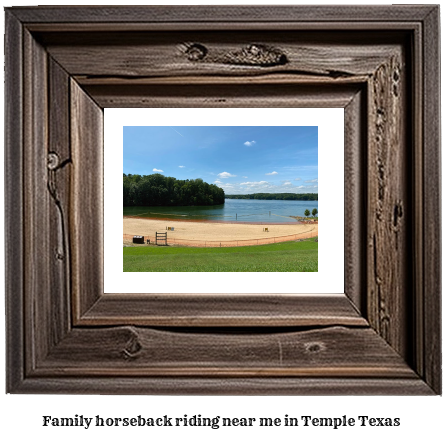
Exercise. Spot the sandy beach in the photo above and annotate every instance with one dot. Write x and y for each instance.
(210, 231)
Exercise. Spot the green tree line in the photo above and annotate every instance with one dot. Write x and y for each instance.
(160, 190)
(278, 196)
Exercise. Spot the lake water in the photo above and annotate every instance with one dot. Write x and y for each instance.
(240, 210)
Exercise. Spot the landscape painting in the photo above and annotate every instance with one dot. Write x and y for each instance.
(220, 199)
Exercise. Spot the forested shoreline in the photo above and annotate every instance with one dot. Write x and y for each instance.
(160, 190)
(277, 196)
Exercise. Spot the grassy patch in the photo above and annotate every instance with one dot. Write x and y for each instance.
(277, 257)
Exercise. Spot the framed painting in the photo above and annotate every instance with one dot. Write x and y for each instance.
(64, 65)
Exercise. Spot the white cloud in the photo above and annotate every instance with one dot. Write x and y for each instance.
(266, 187)
(249, 143)
(311, 180)
(181, 167)
(254, 183)
(225, 175)
(245, 177)
(227, 186)
(217, 182)
(157, 170)
(272, 173)
(297, 179)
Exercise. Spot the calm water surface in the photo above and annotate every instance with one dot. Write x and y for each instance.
(241, 210)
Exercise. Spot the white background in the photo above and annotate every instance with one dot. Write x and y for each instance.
(20, 415)
(330, 122)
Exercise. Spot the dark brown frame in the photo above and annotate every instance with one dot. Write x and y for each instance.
(64, 65)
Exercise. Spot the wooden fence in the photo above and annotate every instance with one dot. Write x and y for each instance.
(127, 238)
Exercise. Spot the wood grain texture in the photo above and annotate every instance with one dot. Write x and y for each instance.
(355, 186)
(261, 78)
(37, 255)
(66, 64)
(59, 166)
(227, 96)
(388, 203)
(227, 14)
(47, 313)
(418, 218)
(289, 386)
(166, 54)
(14, 239)
(86, 209)
(431, 321)
(240, 310)
(129, 351)
(233, 26)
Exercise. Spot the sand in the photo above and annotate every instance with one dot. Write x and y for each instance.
(209, 231)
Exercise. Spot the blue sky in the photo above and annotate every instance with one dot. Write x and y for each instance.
(240, 159)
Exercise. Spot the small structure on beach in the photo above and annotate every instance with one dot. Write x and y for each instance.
(138, 239)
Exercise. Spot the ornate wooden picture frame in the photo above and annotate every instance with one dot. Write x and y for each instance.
(65, 64)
